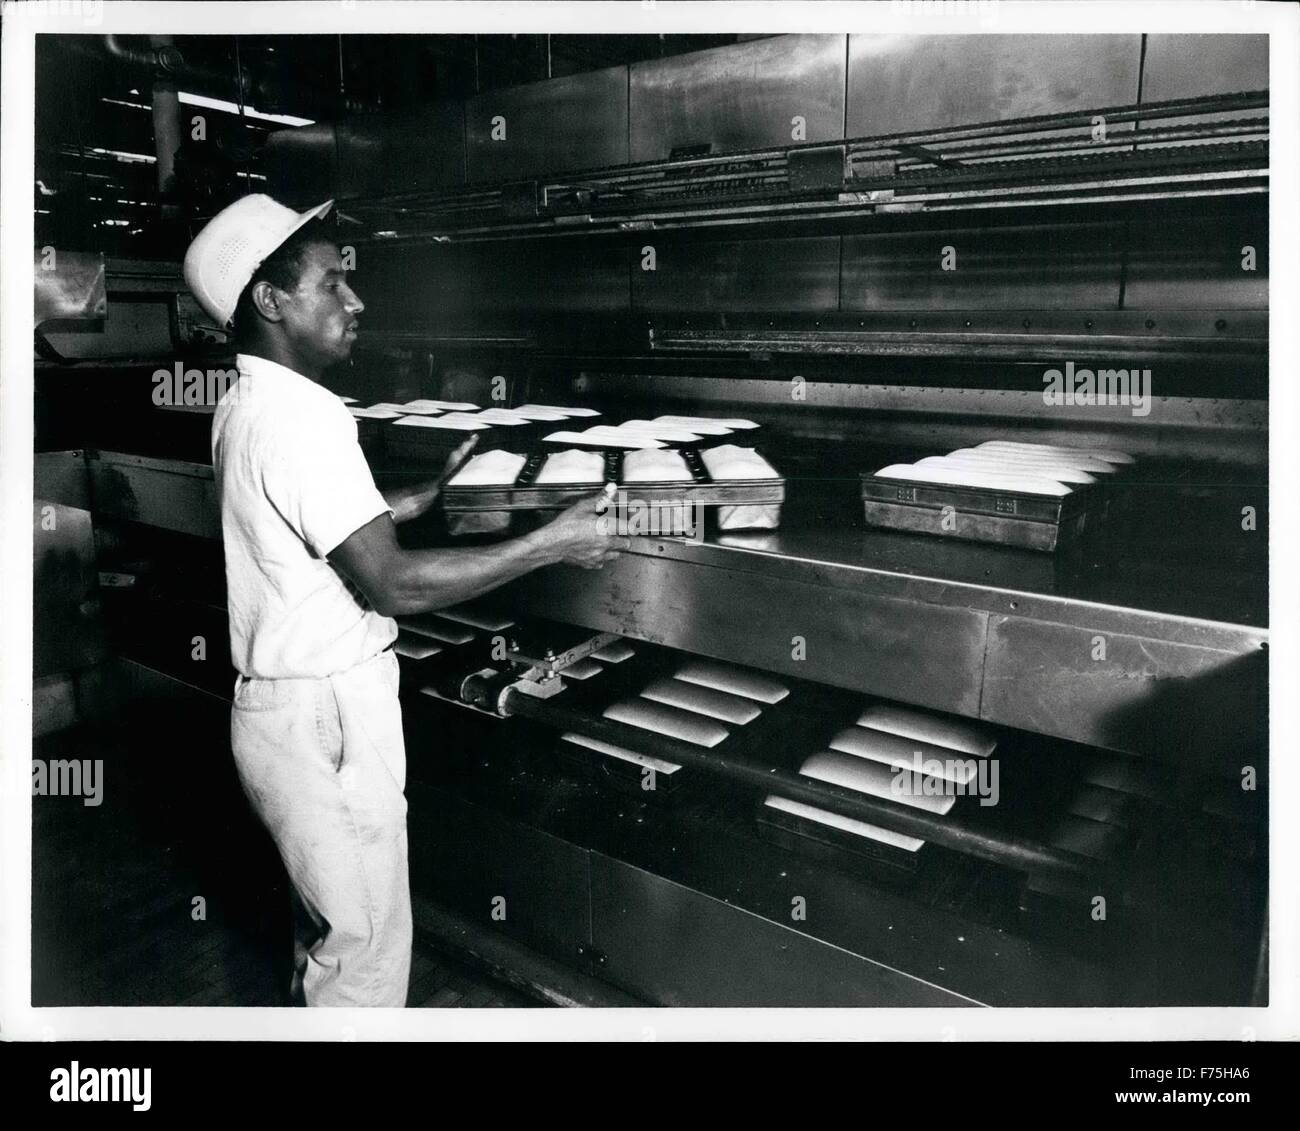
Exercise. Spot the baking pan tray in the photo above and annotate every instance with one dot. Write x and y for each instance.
(978, 514)
(523, 495)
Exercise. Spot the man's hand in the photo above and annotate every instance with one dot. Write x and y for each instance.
(583, 534)
(411, 502)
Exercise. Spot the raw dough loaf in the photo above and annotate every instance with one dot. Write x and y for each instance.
(572, 466)
(656, 467)
(954, 475)
(1062, 473)
(496, 469)
(729, 461)
(1110, 455)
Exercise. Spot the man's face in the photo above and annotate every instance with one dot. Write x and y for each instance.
(320, 316)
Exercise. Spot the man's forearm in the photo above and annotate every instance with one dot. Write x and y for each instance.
(425, 580)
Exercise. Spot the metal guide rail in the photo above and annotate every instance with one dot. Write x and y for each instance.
(1046, 159)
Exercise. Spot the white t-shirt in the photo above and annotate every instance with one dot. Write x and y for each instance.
(293, 485)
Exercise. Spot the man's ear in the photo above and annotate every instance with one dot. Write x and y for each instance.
(266, 300)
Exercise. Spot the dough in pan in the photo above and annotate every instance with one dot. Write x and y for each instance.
(655, 467)
(987, 461)
(497, 468)
(703, 700)
(572, 466)
(729, 461)
(672, 721)
(736, 681)
(1110, 455)
(910, 723)
(657, 764)
(891, 750)
(953, 475)
(1016, 458)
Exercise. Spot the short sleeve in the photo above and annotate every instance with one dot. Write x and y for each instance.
(317, 478)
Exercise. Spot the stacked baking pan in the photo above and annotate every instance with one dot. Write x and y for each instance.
(1034, 496)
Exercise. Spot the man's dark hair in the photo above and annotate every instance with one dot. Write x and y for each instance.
(282, 269)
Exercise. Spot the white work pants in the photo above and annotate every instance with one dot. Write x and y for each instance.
(324, 765)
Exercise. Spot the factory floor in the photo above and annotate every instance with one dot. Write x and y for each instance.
(168, 892)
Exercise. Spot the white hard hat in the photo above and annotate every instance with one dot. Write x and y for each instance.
(235, 242)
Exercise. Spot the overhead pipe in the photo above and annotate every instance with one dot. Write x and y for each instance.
(166, 110)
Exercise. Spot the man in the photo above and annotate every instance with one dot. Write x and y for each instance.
(314, 576)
